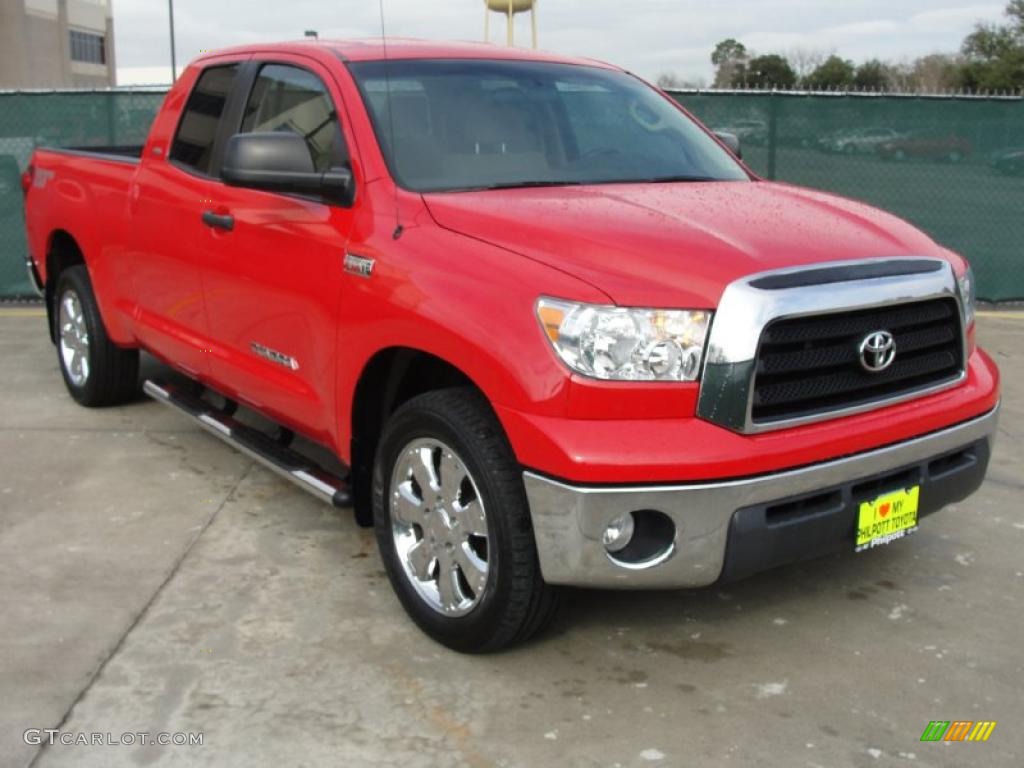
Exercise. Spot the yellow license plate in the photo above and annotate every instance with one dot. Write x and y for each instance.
(889, 517)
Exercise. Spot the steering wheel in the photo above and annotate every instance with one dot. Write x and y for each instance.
(648, 118)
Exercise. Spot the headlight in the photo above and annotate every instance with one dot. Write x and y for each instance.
(968, 295)
(620, 344)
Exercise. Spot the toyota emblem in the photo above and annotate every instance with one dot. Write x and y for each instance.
(877, 351)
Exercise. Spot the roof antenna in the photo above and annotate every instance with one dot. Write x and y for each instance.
(391, 119)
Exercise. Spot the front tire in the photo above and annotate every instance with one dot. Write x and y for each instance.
(453, 524)
(96, 371)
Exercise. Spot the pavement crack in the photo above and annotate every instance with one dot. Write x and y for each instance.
(143, 611)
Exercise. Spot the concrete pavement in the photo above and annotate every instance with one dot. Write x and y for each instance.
(151, 579)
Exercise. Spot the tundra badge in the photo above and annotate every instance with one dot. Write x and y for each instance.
(274, 356)
(358, 265)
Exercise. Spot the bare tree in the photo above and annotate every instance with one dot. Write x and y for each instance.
(806, 60)
(936, 73)
(671, 80)
(668, 80)
(900, 76)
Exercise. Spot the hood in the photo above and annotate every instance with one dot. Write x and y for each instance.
(677, 244)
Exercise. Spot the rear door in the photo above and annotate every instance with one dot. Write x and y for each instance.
(273, 282)
(166, 207)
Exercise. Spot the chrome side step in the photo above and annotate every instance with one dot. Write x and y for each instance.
(273, 454)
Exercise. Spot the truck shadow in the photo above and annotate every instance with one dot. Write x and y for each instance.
(820, 585)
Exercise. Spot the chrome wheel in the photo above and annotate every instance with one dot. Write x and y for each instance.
(74, 339)
(439, 526)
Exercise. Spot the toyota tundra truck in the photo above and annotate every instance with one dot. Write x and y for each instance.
(551, 330)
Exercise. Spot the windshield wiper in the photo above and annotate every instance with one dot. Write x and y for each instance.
(671, 179)
(588, 182)
(524, 185)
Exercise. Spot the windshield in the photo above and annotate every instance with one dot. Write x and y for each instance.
(476, 124)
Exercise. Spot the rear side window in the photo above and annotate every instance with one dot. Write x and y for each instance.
(287, 98)
(193, 144)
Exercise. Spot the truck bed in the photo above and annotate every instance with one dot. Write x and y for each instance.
(129, 153)
(84, 190)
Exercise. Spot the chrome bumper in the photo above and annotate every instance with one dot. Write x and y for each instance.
(569, 521)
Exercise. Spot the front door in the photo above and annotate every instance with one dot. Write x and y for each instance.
(166, 207)
(273, 280)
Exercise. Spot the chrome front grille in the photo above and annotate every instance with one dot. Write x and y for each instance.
(785, 346)
(811, 365)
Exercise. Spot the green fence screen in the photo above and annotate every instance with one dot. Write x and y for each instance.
(954, 166)
(62, 119)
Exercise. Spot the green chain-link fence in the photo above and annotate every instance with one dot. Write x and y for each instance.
(62, 119)
(952, 165)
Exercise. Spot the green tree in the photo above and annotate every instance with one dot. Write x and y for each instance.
(1015, 10)
(990, 42)
(771, 71)
(834, 72)
(1003, 74)
(872, 75)
(994, 53)
(730, 58)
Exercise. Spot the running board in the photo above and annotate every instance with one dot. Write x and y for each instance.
(273, 454)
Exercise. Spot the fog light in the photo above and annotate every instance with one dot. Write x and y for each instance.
(619, 533)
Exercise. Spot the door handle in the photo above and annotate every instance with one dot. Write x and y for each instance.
(223, 221)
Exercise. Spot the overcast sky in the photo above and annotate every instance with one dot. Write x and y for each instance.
(646, 36)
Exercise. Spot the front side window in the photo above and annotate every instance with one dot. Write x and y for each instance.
(287, 98)
(484, 124)
(197, 132)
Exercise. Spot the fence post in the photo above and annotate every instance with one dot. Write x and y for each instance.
(773, 132)
(111, 119)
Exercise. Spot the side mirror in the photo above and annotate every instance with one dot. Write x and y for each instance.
(281, 162)
(732, 141)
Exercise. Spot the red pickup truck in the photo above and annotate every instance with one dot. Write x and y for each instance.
(553, 330)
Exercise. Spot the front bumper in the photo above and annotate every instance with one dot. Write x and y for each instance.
(733, 528)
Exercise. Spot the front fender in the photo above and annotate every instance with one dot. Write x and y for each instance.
(468, 303)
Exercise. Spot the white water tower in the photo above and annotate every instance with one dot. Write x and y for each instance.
(509, 9)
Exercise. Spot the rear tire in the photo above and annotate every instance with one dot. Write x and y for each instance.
(96, 371)
(453, 524)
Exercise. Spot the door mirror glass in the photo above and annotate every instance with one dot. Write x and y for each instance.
(282, 162)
